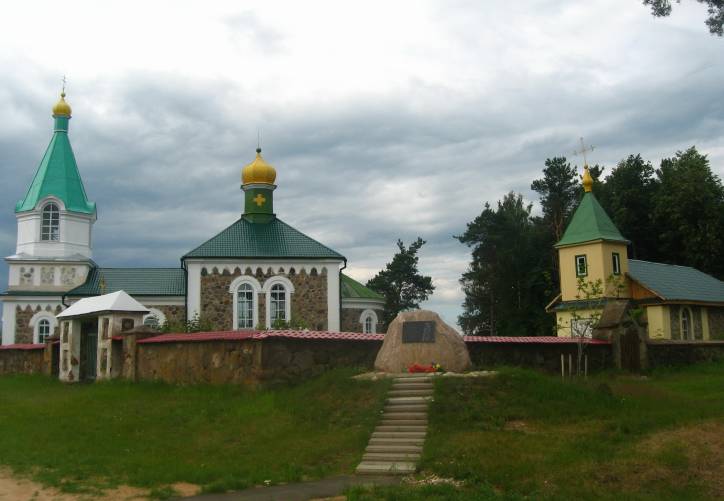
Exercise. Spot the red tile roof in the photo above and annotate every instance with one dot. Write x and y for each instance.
(241, 335)
(26, 346)
(531, 339)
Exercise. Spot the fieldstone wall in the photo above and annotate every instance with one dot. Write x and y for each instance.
(293, 359)
(716, 323)
(217, 362)
(309, 301)
(175, 314)
(23, 330)
(673, 353)
(538, 356)
(21, 361)
(675, 321)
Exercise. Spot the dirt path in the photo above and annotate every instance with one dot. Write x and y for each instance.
(13, 488)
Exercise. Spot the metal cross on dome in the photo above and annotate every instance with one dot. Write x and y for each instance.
(583, 151)
(64, 82)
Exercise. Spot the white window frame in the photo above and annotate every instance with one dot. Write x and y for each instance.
(288, 290)
(585, 265)
(586, 328)
(55, 213)
(690, 325)
(155, 312)
(616, 257)
(368, 314)
(234, 291)
(35, 324)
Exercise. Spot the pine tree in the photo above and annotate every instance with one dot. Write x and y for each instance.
(403, 287)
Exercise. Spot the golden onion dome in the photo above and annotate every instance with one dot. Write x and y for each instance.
(61, 108)
(587, 180)
(258, 171)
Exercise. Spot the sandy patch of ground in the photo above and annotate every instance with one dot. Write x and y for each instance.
(13, 488)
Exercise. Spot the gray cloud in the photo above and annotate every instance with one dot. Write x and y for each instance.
(162, 155)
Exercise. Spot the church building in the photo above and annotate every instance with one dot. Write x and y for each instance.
(258, 273)
(676, 302)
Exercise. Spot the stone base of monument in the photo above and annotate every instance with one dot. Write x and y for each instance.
(396, 443)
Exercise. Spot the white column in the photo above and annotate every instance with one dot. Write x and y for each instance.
(193, 286)
(333, 298)
(8, 323)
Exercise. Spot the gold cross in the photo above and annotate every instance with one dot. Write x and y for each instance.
(583, 151)
(259, 199)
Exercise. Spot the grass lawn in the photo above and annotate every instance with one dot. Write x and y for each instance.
(88, 437)
(524, 435)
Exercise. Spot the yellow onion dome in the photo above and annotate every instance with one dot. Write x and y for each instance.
(258, 171)
(61, 108)
(587, 180)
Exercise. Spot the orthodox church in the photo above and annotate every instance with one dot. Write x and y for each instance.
(677, 302)
(257, 273)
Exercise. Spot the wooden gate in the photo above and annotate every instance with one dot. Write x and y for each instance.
(631, 351)
(88, 351)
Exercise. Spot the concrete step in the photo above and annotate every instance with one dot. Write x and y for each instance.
(386, 468)
(397, 441)
(404, 422)
(410, 393)
(399, 434)
(407, 407)
(408, 400)
(403, 428)
(396, 449)
(413, 386)
(418, 375)
(404, 415)
(391, 456)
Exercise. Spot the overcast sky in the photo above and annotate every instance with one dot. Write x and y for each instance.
(384, 120)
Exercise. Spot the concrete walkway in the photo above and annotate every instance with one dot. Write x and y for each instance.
(303, 491)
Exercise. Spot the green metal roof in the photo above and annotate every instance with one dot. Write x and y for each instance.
(273, 239)
(58, 176)
(589, 223)
(135, 281)
(352, 289)
(673, 282)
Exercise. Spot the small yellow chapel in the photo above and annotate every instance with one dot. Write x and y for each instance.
(677, 302)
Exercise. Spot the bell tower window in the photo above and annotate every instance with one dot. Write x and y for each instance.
(50, 226)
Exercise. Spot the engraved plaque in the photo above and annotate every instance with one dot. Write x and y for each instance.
(418, 332)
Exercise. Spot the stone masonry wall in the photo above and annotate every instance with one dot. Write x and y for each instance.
(675, 322)
(21, 361)
(309, 301)
(292, 359)
(23, 330)
(667, 354)
(537, 356)
(217, 362)
(716, 323)
(175, 314)
(350, 320)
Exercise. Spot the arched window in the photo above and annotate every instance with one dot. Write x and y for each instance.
(50, 227)
(686, 327)
(368, 325)
(43, 330)
(245, 291)
(368, 319)
(278, 304)
(245, 306)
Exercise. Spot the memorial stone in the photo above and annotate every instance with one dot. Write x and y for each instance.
(421, 337)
